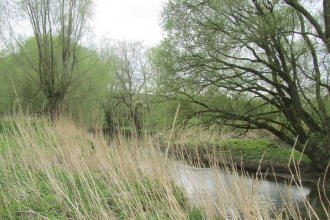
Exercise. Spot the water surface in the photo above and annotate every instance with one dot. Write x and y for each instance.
(213, 186)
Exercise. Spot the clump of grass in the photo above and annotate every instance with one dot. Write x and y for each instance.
(257, 149)
(61, 171)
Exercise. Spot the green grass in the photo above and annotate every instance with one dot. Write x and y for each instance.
(249, 150)
(24, 201)
(256, 149)
(7, 126)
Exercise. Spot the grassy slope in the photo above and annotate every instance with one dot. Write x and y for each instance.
(64, 172)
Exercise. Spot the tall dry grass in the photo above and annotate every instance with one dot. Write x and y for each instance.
(61, 171)
(241, 195)
(82, 175)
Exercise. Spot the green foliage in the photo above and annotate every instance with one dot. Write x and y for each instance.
(7, 126)
(197, 214)
(21, 86)
(241, 144)
(162, 112)
(256, 149)
(231, 74)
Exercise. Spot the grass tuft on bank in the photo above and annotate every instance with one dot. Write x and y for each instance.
(257, 149)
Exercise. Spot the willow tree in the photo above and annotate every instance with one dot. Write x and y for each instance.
(58, 27)
(127, 95)
(253, 64)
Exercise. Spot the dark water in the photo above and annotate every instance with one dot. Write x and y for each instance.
(207, 185)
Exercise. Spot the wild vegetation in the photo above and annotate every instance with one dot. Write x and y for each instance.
(63, 172)
(252, 65)
(234, 68)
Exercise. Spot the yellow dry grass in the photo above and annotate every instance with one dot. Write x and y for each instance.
(118, 168)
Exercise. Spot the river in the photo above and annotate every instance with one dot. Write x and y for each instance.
(232, 194)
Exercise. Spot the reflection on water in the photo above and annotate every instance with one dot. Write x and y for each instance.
(212, 186)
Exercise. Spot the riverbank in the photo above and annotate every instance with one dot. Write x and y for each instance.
(271, 162)
(60, 170)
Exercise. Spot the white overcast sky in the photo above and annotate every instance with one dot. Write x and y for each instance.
(135, 20)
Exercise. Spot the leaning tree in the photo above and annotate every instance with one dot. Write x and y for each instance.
(252, 64)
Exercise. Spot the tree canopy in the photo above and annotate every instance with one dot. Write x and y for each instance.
(268, 59)
(21, 85)
(58, 28)
(127, 97)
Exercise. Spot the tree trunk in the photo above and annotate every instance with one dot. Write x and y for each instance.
(56, 105)
(319, 154)
(326, 14)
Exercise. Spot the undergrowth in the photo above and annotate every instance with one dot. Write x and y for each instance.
(61, 171)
